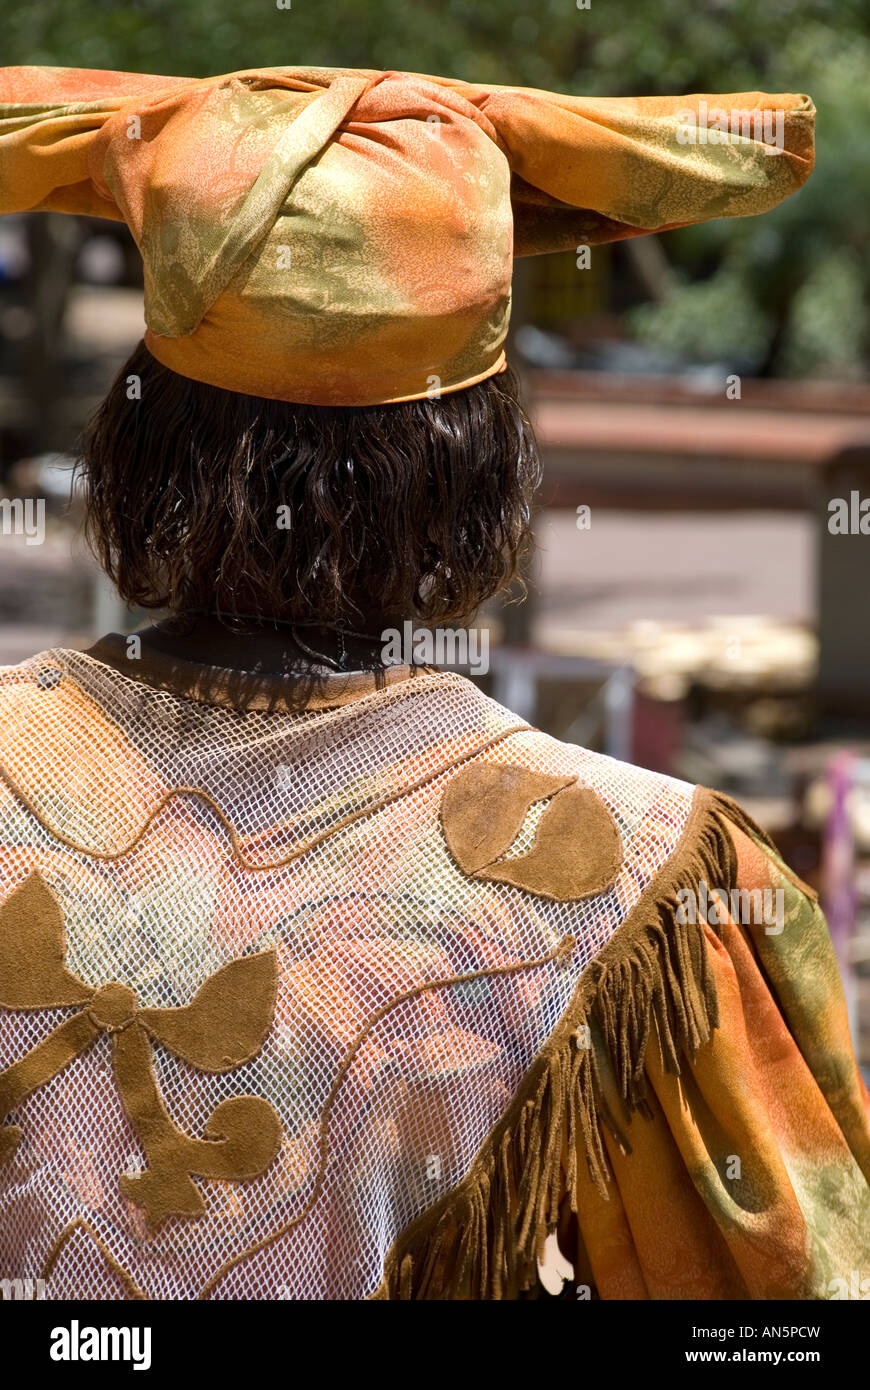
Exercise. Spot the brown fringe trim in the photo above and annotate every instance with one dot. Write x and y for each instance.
(482, 1240)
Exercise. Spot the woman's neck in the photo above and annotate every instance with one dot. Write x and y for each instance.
(272, 648)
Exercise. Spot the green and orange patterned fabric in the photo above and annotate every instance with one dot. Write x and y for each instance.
(345, 237)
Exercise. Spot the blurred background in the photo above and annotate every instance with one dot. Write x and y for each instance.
(700, 398)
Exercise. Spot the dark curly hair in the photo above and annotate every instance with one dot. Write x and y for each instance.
(201, 500)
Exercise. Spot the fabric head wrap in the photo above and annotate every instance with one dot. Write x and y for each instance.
(344, 237)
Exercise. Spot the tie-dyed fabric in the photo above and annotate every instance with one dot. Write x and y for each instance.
(750, 1176)
(279, 1018)
(345, 237)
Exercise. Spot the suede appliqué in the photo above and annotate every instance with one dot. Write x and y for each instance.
(224, 1025)
(577, 849)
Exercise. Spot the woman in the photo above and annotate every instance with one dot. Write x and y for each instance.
(326, 978)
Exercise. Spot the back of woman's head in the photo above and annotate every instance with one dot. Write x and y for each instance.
(201, 500)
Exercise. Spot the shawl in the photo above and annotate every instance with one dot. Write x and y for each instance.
(345, 237)
(377, 997)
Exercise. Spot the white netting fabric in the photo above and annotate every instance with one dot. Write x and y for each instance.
(370, 911)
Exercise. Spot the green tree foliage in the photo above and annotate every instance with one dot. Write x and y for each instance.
(798, 275)
(614, 47)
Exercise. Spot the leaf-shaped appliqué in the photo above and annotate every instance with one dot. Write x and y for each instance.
(227, 1019)
(33, 972)
(577, 849)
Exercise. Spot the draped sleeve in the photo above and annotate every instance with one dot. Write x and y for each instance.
(696, 1127)
(747, 1177)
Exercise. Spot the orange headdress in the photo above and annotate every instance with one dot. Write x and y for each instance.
(345, 237)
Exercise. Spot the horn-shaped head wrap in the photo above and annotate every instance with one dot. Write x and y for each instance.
(342, 237)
